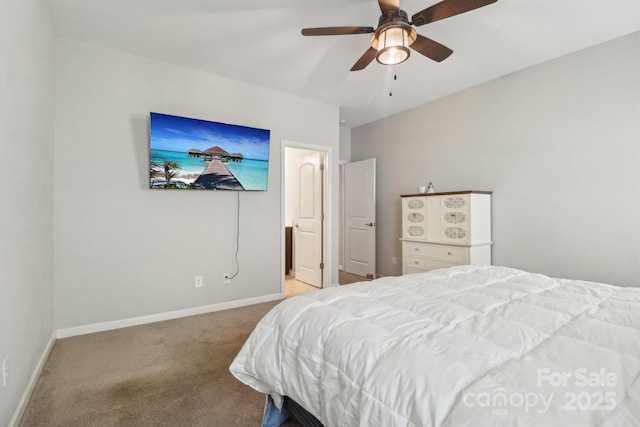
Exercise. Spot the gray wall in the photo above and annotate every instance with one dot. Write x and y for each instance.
(558, 143)
(345, 143)
(26, 213)
(125, 251)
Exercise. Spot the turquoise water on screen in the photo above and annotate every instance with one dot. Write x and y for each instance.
(187, 164)
(252, 174)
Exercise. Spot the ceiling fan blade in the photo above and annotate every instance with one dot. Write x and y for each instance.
(364, 60)
(336, 31)
(431, 49)
(386, 5)
(446, 9)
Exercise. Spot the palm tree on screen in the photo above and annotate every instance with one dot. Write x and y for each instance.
(171, 169)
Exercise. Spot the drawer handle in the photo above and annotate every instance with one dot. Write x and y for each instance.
(449, 253)
(416, 262)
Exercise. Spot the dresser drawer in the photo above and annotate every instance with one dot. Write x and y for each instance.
(414, 264)
(453, 254)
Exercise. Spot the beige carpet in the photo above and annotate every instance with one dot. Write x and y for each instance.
(172, 373)
(349, 278)
(295, 287)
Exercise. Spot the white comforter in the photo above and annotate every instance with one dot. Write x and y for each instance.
(470, 345)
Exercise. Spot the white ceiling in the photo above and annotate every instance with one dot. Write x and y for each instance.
(259, 42)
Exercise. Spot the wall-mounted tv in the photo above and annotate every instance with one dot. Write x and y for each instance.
(203, 155)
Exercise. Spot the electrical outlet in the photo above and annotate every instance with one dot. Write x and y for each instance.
(5, 371)
(199, 281)
(394, 260)
(226, 278)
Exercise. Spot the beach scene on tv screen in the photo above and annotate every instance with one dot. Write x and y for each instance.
(204, 155)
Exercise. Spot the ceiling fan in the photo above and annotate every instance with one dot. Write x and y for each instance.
(395, 34)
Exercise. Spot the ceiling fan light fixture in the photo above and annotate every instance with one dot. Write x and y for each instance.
(395, 33)
(392, 44)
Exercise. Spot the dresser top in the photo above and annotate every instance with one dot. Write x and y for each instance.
(447, 193)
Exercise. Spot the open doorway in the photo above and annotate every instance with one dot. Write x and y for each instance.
(305, 206)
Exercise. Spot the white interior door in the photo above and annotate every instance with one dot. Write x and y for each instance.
(360, 217)
(307, 226)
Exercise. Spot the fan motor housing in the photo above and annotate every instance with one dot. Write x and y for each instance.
(393, 18)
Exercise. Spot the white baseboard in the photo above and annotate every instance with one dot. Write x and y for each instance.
(26, 395)
(134, 321)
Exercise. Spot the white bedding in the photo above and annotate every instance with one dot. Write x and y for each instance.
(469, 345)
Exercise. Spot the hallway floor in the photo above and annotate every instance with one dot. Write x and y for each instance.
(295, 287)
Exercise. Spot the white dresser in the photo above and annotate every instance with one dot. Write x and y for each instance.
(445, 229)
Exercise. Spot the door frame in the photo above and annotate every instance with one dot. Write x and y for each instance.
(327, 241)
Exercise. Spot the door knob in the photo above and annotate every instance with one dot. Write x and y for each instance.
(371, 224)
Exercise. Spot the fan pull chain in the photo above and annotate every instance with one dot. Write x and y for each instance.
(395, 77)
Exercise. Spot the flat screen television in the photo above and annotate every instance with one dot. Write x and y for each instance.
(204, 155)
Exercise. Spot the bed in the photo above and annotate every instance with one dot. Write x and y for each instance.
(467, 345)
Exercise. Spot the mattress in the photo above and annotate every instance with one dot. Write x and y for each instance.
(467, 345)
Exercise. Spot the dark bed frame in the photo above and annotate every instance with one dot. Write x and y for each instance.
(301, 414)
